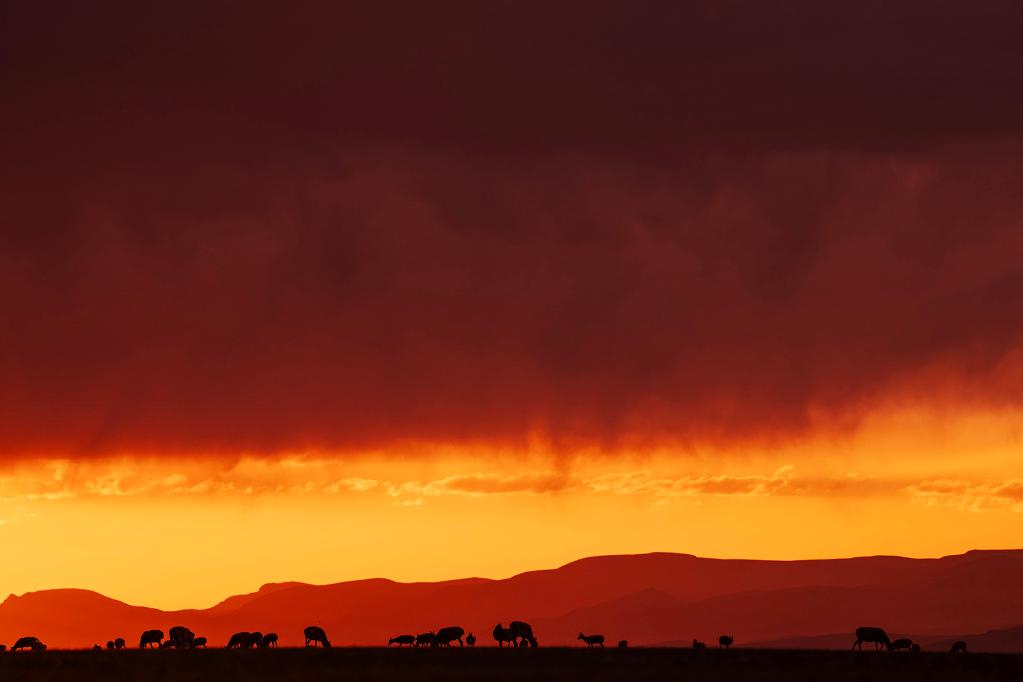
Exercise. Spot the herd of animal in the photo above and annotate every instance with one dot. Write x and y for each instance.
(879, 638)
(517, 634)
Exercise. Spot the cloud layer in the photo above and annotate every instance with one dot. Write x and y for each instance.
(604, 224)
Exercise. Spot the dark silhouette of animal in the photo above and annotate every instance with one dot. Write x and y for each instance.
(239, 640)
(591, 640)
(902, 643)
(869, 634)
(699, 645)
(725, 641)
(26, 643)
(168, 644)
(522, 631)
(97, 647)
(425, 639)
(623, 644)
(314, 634)
(402, 640)
(470, 639)
(38, 646)
(181, 636)
(503, 634)
(269, 640)
(958, 647)
(110, 644)
(255, 640)
(915, 648)
(445, 636)
(151, 638)
(119, 643)
(199, 642)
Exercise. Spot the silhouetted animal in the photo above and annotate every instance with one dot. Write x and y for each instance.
(958, 647)
(199, 642)
(269, 640)
(151, 638)
(168, 644)
(181, 636)
(725, 641)
(523, 631)
(876, 635)
(38, 646)
(119, 643)
(591, 639)
(470, 639)
(902, 643)
(97, 647)
(239, 640)
(314, 634)
(699, 645)
(255, 640)
(110, 644)
(26, 643)
(623, 644)
(402, 640)
(425, 639)
(445, 636)
(915, 648)
(503, 634)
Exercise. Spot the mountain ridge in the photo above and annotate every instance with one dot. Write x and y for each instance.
(646, 598)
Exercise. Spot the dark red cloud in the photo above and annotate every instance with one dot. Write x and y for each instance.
(342, 227)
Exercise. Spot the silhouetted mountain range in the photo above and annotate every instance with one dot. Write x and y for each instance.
(647, 599)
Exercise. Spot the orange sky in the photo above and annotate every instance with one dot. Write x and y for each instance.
(186, 533)
(392, 291)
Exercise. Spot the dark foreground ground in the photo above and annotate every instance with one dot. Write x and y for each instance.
(496, 665)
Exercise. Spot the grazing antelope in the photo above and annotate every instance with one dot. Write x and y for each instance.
(110, 644)
(269, 640)
(503, 634)
(623, 644)
(958, 647)
(314, 634)
(168, 644)
(523, 631)
(591, 639)
(402, 640)
(870, 634)
(199, 642)
(38, 646)
(425, 639)
(725, 641)
(255, 639)
(119, 643)
(470, 639)
(697, 644)
(239, 640)
(150, 638)
(902, 643)
(181, 636)
(445, 636)
(97, 647)
(25, 643)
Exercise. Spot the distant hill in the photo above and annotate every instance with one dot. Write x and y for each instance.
(647, 599)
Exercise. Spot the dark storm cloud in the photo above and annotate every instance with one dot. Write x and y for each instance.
(234, 228)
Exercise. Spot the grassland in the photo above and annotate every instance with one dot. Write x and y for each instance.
(496, 665)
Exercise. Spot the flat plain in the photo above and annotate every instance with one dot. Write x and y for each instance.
(496, 665)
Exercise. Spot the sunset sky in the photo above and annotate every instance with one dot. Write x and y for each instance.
(430, 290)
